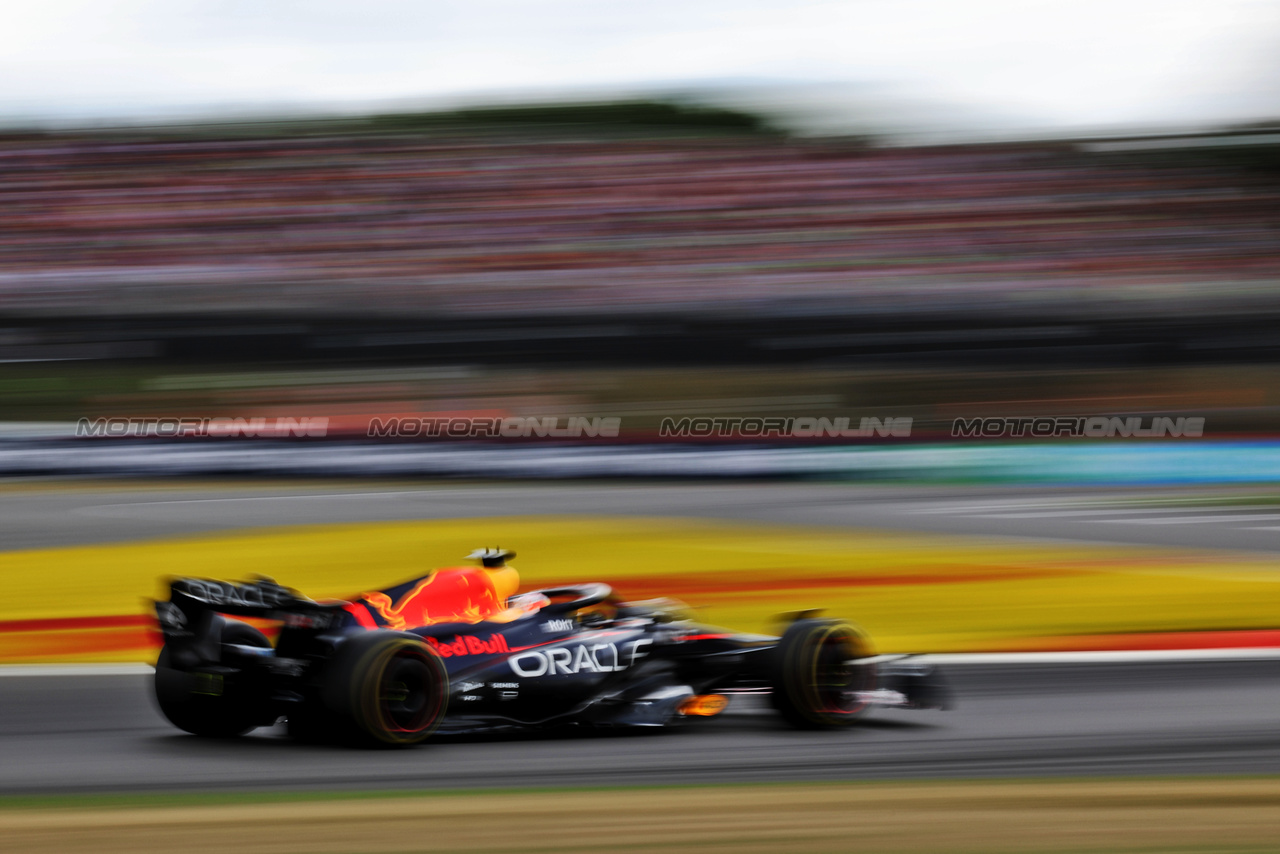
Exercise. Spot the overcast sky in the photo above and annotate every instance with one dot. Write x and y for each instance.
(1034, 63)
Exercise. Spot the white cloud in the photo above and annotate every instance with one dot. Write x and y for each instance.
(1062, 62)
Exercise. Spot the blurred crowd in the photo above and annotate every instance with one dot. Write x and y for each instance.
(501, 225)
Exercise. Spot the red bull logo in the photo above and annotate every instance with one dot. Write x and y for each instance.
(468, 645)
(461, 595)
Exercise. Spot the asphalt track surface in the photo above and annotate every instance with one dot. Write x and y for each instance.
(101, 733)
(39, 516)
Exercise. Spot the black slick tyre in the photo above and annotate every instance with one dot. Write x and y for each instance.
(385, 688)
(815, 682)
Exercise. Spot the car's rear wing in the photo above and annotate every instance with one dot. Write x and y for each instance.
(190, 619)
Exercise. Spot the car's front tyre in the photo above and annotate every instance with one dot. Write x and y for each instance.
(815, 680)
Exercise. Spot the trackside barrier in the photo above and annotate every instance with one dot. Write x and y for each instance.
(1085, 462)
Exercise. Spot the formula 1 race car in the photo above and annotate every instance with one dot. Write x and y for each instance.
(576, 656)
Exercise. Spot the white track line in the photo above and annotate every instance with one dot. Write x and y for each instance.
(1114, 511)
(1045, 511)
(951, 658)
(1194, 520)
(1103, 656)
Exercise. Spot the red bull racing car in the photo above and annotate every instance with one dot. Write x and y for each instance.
(362, 672)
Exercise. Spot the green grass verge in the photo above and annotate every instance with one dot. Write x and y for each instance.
(105, 800)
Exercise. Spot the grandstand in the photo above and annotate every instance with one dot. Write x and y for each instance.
(463, 220)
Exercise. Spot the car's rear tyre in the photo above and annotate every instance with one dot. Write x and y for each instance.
(814, 682)
(385, 689)
(207, 702)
